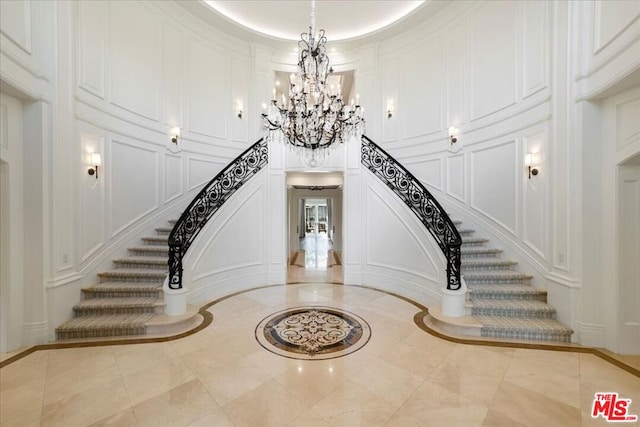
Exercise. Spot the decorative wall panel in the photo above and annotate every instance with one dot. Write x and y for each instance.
(422, 89)
(241, 79)
(429, 172)
(207, 83)
(224, 249)
(133, 174)
(493, 58)
(201, 171)
(493, 184)
(455, 177)
(173, 177)
(391, 242)
(92, 199)
(611, 19)
(91, 50)
(15, 22)
(390, 81)
(135, 40)
(534, 198)
(173, 75)
(535, 46)
(628, 125)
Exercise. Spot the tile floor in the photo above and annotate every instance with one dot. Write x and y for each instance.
(314, 268)
(221, 376)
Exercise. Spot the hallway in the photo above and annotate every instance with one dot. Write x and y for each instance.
(222, 376)
(315, 262)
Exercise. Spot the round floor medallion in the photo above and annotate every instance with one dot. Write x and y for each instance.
(313, 333)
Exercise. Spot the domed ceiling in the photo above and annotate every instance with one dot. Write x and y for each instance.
(342, 20)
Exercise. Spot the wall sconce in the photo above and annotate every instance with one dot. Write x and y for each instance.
(239, 109)
(389, 110)
(96, 161)
(175, 134)
(529, 162)
(453, 135)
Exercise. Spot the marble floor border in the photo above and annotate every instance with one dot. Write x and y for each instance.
(418, 320)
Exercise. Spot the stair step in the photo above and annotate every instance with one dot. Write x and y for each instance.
(479, 252)
(473, 241)
(173, 221)
(466, 231)
(456, 222)
(142, 262)
(150, 250)
(512, 308)
(110, 306)
(156, 240)
(134, 275)
(164, 230)
(123, 290)
(487, 263)
(104, 326)
(505, 292)
(523, 328)
(496, 277)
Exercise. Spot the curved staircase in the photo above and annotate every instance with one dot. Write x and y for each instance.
(128, 299)
(501, 301)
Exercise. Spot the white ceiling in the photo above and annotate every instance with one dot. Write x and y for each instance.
(342, 20)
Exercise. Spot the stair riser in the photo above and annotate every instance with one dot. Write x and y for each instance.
(487, 267)
(154, 266)
(496, 281)
(149, 252)
(91, 312)
(506, 296)
(70, 335)
(469, 244)
(132, 279)
(525, 335)
(512, 313)
(480, 255)
(154, 241)
(123, 294)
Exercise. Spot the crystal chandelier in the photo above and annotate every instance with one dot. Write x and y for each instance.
(315, 117)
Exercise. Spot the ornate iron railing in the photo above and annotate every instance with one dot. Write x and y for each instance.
(208, 202)
(420, 201)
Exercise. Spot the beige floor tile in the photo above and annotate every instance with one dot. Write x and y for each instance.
(434, 405)
(388, 381)
(310, 381)
(87, 407)
(61, 386)
(180, 406)
(561, 362)
(68, 359)
(496, 419)
(267, 405)
(228, 383)
(125, 418)
(133, 358)
(472, 385)
(353, 405)
(157, 379)
(533, 408)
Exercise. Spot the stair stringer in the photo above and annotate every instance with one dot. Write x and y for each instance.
(232, 250)
(398, 254)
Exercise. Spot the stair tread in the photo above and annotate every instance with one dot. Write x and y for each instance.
(123, 285)
(533, 324)
(142, 259)
(150, 248)
(110, 321)
(513, 304)
(134, 272)
(488, 261)
(474, 239)
(482, 250)
(156, 238)
(118, 302)
(496, 274)
(504, 288)
(164, 229)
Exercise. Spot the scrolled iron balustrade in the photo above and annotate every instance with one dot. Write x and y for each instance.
(208, 201)
(420, 201)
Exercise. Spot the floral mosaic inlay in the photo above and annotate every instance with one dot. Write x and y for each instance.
(313, 333)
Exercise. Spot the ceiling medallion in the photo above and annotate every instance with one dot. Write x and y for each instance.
(313, 333)
(315, 117)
